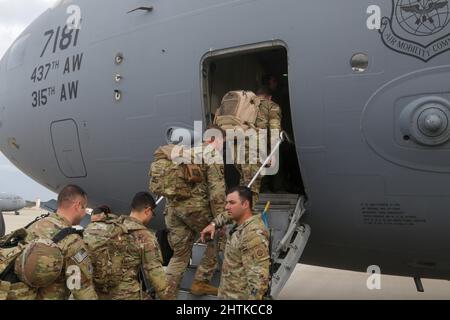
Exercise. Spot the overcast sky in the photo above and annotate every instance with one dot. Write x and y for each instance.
(15, 15)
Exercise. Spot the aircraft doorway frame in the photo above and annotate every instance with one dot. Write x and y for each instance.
(205, 85)
(251, 60)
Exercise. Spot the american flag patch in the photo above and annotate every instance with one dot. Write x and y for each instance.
(80, 256)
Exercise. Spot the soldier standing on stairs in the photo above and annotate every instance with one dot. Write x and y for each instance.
(186, 218)
(269, 118)
(245, 270)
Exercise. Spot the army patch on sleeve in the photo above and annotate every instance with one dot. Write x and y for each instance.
(80, 256)
(259, 253)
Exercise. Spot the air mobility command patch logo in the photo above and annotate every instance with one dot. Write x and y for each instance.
(418, 28)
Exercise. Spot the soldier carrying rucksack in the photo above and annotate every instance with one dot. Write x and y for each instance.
(239, 111)
(125, 254)
(105, 238)
(51, 259)
(195, 194)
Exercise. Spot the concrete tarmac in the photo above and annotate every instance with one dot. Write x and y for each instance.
(13, 222)
(317, 283)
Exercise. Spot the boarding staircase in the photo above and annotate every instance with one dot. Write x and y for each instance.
(288, 240)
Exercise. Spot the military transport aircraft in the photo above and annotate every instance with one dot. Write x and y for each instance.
(9, 202)
(91, 88)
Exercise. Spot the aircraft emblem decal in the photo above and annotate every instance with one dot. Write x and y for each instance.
(414, 25)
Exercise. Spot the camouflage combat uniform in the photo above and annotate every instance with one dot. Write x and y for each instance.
(269, 115)
(185, 219)
(75, 255)
(248, 170)
(245, 270)
(105, 240)
(4, 288)
(142, 250)
(101, 217)
(269, 118)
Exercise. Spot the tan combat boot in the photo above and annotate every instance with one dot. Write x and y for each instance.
(200, 288)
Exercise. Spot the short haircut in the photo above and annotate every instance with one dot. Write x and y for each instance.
(142, 200)
(69, 193)
(244, 194)
(264, 90)
(102, 209)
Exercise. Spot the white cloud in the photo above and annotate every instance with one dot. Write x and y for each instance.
(7, 168)
(15, 15)
(8, 34)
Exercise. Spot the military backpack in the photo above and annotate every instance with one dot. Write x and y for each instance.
(106, 243)
(171, 174)
(238, 110)
(37, 263)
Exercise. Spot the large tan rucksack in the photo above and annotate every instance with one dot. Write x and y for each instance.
(171, 179)
(238, 110)
(106, 241)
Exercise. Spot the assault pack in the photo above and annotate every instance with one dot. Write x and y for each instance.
(171, 179)
(238, 110)
(106, 243)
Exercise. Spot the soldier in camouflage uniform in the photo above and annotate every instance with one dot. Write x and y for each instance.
(104, 239)
(268, 118)
(72, 202)
(186, 218)
(248, 170)
(245, 270)
(269, 114)
(4, 288)
(142, 251)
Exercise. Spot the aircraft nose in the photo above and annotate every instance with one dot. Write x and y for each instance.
(15, 124)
